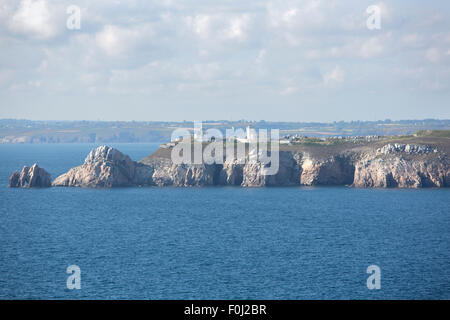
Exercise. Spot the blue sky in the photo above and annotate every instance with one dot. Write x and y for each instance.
(307, 60)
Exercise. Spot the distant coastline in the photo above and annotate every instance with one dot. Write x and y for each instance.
(102, 132)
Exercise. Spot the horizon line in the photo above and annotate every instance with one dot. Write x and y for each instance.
(224, 120)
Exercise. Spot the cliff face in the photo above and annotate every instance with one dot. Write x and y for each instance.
(288, 172)
(334, 170)
(231, 174)
(168, 174)
(403, 166)
(398, 172)
(106, 167)
(33, 177)
(389, 165)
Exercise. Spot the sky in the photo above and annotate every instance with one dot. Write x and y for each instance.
(305, 60)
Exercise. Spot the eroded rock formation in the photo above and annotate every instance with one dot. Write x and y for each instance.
(397, 172)
(334, 170)
(106, 167)
(33, 177)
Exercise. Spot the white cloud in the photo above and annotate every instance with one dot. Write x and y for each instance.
(200, 25)
(219, 27)
(386, 12)
(289, 15)
(115, 40)
(260, 57)
(297, 14)
(42, 66)
(34, 18)
(364, 47)
(433, 55)
(164, 46)
(108, 39)
(6, 75)
(372, 47)
(35, 83)
(201, 72)
(288, 91)
(413, 40)
(238, 28)
(333, 77)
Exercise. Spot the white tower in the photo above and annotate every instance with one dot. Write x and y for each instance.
(198, 134)
(251, 134)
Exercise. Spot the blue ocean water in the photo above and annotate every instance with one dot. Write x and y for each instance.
(217, 242)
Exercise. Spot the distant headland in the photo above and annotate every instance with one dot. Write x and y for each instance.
(411, 161)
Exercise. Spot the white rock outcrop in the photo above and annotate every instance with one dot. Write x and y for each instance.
(106, 167)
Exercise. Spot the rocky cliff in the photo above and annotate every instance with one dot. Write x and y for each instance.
(33, 177)
(379, 165)
(106, 167)
(403, 166)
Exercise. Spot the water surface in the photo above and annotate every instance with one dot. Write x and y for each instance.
(216, 242)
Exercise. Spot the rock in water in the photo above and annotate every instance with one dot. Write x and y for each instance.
(33, 177)
(106, 167)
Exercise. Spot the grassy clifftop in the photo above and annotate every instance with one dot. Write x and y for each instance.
(433, 133)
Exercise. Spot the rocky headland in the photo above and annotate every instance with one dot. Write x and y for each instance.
(409, 162)
(106, 167)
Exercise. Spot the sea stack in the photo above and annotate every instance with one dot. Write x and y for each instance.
(33, 177)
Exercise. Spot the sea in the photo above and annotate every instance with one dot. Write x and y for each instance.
(216, 242)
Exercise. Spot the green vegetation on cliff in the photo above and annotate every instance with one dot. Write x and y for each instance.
(433, 133)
